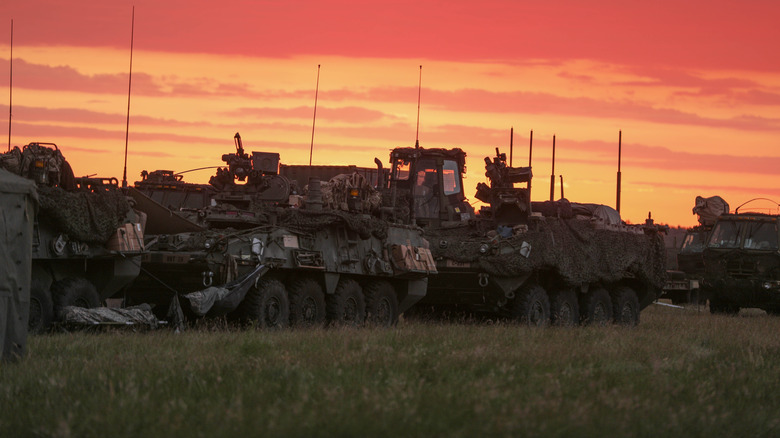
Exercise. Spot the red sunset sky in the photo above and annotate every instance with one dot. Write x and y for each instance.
(694, 86)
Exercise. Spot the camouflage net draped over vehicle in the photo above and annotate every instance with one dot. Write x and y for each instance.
(574, 248)
(90, 217)
(311, 221)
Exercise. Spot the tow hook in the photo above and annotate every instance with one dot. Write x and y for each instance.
(208, 278)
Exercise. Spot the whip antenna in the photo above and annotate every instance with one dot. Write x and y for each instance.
(620, 151)
(11, 86)
(552, 174)
(129, 86)
(530, 154)
(419, 92)
(511, 143)
(316, 94)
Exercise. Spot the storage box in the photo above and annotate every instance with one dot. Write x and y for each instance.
(128, 237)
(411, 258)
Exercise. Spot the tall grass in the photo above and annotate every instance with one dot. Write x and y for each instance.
(679, 372)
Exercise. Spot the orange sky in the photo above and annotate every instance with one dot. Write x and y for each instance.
(695, 88)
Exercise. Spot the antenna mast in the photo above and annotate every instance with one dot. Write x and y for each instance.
(419, 93)
(11, 87)
(129, 87)
(316, 94)
(530, 154)
(620, 151)
(552, 174)
(511, 143)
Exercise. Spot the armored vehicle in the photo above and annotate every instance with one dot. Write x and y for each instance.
(81, 226)
(537, 262)
(250, 246)
(742, 263)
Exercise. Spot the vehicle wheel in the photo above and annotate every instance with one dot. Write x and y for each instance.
(41, 309)
(307, 303)
(596, 307)
(266, 305)
(564, 308)
(381, 304)
(625, 306)
(532, 306)
(76, 292)
(716, 307)
(346, 306)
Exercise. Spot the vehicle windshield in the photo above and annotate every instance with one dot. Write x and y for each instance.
(745, 234)
(725, 235)
(426, 192)
(761, 235)
(451, 180)
(401, 169)
(693, 243)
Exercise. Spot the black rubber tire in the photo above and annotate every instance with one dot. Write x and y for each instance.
(41, 309)
(346, 306)
(381, 304)
(266, 305)
(74, 291)
(564, 308)
(625, 307)
(596, 307)
(307, 303)
(531, 306)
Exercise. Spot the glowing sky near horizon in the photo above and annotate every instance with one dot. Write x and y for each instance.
(694, 86)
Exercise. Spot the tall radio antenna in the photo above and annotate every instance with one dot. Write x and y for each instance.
(11, 86)
(419, 93)
(530, 156)
(316, 94)
(511, 143)
(129, 87)
(619, 174)
(552, 174)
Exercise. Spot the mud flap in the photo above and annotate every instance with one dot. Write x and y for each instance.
(415, 292)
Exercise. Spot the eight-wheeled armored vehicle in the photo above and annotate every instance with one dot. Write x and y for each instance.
(532, 261)
(247, 245)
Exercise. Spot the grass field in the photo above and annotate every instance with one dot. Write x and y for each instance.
(679, 373)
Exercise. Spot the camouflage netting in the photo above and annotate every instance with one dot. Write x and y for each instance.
(311, 221)
(573, 248)
(85, 216)
(335, 192)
